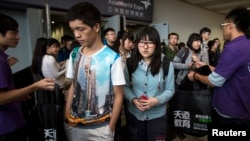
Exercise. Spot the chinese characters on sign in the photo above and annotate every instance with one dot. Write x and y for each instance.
(182, 119)
(50, 134)
(185, 120)
(140, 10)
(131, 9)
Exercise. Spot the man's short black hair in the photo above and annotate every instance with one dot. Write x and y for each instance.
(105, 31)
(67, 38)
(240, 16)
(7, 23)
(204, 30)
(85, 12)
(173, 33)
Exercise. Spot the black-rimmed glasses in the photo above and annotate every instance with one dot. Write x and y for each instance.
(150, 44)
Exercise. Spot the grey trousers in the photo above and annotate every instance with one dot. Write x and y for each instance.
(99, 132)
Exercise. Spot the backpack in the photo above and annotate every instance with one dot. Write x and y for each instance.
(74, 52)
(165, 64)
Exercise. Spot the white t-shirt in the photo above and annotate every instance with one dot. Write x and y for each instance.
(51, 69)
(97, 74)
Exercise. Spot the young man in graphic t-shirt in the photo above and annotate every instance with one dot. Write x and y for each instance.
(96, 95)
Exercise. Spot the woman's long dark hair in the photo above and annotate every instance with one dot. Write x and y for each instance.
(39, 52)
(151, 34)
(122, 35)
(52, 41)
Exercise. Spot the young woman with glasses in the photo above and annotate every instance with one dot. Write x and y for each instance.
(146, 90)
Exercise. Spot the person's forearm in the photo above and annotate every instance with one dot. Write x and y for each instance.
(13, 95)
(211, 67)
(117, 106)
(69, 99)
(203, 79)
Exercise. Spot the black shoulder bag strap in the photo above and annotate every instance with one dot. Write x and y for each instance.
(165, 65)
(185, 55)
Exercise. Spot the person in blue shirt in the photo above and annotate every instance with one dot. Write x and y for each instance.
(109, 37)
(66, 49)
(147, 91)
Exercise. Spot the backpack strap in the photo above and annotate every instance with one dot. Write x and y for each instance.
(165, 65)
(183, 59)
(74, 52)
(129, 67)
(185, 55)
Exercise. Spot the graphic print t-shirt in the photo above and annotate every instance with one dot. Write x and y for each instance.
(96, 76)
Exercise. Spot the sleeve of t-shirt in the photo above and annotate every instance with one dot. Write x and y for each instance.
(225, 67)
(70, 70)
(216, 79)
(117, 74)
(54, 67)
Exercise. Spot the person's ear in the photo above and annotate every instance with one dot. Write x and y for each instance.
(121, 41)
(97, 27)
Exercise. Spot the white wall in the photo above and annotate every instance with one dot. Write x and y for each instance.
(30, 28)
(185, 19)
(22, 46)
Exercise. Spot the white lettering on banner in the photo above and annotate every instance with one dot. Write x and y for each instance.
(186, 123)
(182, 119)
(216, 132)
(132, 6)
(130, 9)
(50, 134)
(146, 3)
(120, 3)
(139, 8)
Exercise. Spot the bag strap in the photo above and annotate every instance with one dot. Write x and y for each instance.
(74, 52)
(185, 55)
(129, 67)
(165, 65)
(183, 59)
